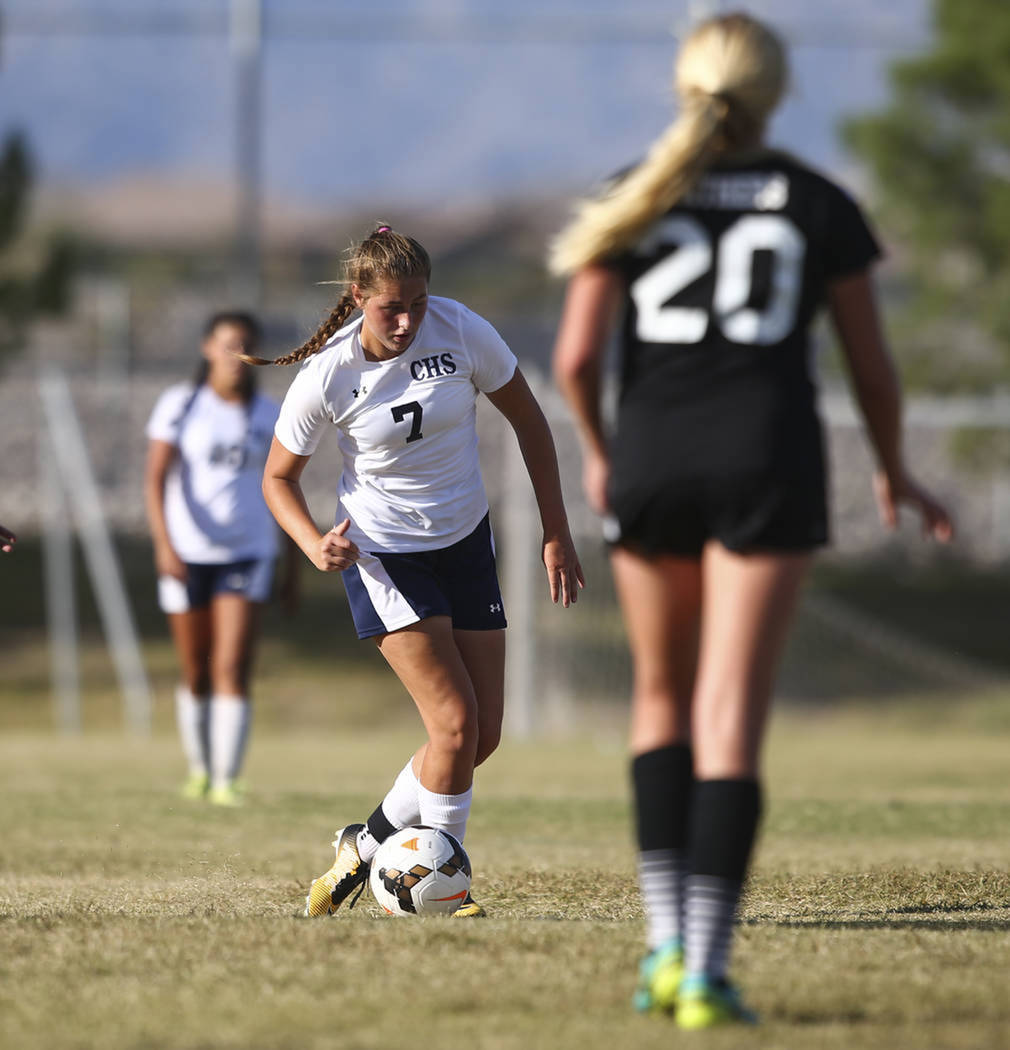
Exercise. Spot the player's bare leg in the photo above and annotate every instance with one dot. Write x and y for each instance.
(429, 663)
(483, 654)
(749, 601)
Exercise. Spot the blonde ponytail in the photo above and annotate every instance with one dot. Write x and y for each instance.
(729, 76)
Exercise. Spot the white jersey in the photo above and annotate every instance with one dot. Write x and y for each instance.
(214, 507)
(406, 427)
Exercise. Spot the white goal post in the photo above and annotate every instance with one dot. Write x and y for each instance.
(69, 485)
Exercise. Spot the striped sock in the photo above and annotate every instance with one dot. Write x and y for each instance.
(724, 820)
(661, 877)
(662, 782)
(710, 909)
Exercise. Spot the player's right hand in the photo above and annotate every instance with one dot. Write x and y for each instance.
(335, 552)
(168, 563)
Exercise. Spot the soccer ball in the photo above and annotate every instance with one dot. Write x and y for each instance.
(420, 871)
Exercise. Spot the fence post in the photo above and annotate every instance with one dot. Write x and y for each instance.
(75, 474)
(521, 543)
(61, 604)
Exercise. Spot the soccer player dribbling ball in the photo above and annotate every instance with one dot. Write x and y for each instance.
(717, 251)
(412, 537)
(215, 544)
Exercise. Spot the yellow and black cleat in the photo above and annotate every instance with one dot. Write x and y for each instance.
(349, 873)
(469, 909)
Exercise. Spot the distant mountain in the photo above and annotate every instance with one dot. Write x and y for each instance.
(436, 104)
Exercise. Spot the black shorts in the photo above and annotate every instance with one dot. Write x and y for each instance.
(746, 513)
(390, 591)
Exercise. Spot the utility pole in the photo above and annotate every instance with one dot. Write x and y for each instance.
(246, 35)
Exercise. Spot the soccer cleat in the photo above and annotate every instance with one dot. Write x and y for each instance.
(349, 872)
(708, 1002)
(659, 977)
(195, 786)
(229, 795)
(469, 909)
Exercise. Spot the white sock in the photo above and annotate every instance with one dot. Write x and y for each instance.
(229, 730)
(192, 718)
(448, 812)
(399, 809)
(401, 805)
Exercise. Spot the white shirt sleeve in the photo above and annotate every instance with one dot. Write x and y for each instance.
(168, 413)
(494, 364)
(303, 415)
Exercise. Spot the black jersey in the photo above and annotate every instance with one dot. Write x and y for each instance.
(721, 291)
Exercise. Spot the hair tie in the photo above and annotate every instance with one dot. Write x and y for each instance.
(384, 229)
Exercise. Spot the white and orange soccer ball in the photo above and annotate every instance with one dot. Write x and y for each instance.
(420, 871)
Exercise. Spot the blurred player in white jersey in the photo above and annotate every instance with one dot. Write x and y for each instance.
(215, 544)
(412, 537)
(716, 252)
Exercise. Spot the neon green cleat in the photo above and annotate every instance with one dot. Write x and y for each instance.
(349, 872)
(469, 909)
(230, 795)
(195, 786)
(708, 1002)
(659, 977)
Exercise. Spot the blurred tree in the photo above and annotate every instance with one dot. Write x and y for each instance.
(940, 157)
(34, 278)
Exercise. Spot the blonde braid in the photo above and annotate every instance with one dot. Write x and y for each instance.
(383, 255)
(338, 315)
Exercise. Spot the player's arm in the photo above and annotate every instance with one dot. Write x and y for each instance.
(517, 404)
(853, 307)
(160, 455)
(7, 540)
(282, 490)
(591, 304)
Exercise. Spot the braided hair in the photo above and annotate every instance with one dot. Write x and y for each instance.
(383, 255)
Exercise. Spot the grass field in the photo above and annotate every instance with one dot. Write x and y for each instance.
(877, 917)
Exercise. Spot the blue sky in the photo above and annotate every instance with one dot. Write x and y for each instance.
(425, 101)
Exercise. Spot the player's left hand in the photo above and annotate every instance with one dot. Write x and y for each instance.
(564, 573)
(891, 492)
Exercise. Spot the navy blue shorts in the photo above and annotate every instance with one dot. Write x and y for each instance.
(390, 591)
(250, 578)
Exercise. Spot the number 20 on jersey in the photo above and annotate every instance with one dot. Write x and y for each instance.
(731, 257)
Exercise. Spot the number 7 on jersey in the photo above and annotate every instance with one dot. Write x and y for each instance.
(412, 409)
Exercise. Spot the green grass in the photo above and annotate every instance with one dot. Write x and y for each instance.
(877, 916)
